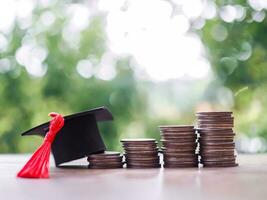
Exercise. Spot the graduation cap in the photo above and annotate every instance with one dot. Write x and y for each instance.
(79, 137)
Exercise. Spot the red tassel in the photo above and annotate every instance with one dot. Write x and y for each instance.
(37, 166)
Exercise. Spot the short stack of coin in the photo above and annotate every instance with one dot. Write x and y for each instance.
(179, 146)
(106, 160)
(216, 139)
(141, 153)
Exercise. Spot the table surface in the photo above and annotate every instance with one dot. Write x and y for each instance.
(248, 181)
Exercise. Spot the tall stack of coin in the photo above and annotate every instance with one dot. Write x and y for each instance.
(179, 146)
(216, 139)
(141, 153)
(106, 160)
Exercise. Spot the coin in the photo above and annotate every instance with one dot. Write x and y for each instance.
(216, 113)
(179, 139)
(178, 148)
(141, 153)
(218, 162)
(141, 148)
(142, 166)
(116, 159)
(225, 160)
(217, 144)
(105, 154)
(213, 130)
(217, 135)
(140, 162)
(215, 119)
(179, 145)
(176, 127)
(174, 152)
(180, 159)
(174, 135)
(183, 165)
(221, 165)
(218, 126)
(175, 130)
(142, 158)
(138, 140)
(150, 145)
(217, 154)
(106, 160)
(216, 139)
(105, 166)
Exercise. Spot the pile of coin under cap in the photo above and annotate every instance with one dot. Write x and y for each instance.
(106, 160)
(141, 153)
(216, 139)
(179, 146)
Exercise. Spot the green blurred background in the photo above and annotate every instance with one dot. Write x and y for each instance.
(150, 62)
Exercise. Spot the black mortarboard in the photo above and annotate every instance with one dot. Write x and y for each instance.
(79, 136)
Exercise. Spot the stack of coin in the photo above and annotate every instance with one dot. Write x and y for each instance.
(106, 160)
(216, 139)
(141, 153)
(179, 146)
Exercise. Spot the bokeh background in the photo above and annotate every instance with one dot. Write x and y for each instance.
(151, 62)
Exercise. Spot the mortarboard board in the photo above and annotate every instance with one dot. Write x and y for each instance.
(79, 136)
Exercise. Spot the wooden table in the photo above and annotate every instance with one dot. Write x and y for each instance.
(248, 181)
